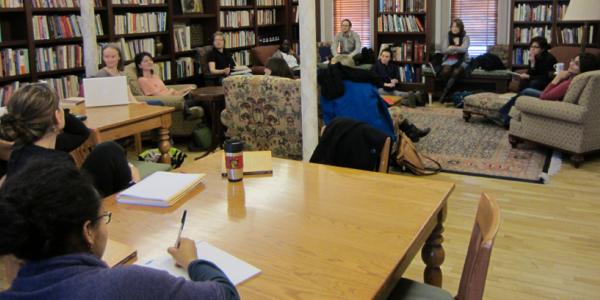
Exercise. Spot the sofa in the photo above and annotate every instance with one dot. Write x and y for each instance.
(180, 126)
(265, 112)
(571, 125)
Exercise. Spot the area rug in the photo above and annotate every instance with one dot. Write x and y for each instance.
(478, 147)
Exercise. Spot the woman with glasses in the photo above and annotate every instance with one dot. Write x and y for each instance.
(541, 65)
(52, 221)
(41, 130)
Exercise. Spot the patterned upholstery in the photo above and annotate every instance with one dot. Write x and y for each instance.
(571, 125)
(485, 104)
(265, 112)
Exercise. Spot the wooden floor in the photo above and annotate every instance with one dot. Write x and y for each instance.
(548, 246)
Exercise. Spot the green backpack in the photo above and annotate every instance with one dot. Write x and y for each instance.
(201, 138)
(153, 155)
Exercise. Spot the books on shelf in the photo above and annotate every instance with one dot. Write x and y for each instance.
(60, 3)
(7, 91)
(402, 6)
(55, 27)
(192, 6)
(237, 18)
(196, 35)
(237, 39)
(182, 37)
(98, 25)
(269, 39)
(234, 2)
(163, 69)
(562, 10)
(11, 3)
(520, 56)
(524, 35)
(242, 58)
(410, 73)
(268, 2)
(160, 189)
(185, 67)
(266, 16)
(138, 1)
(399, 23)
(141, 22)
(14, 62)
(574, 35)
(65, 87)
(130, 48)
(532, 13)
(407, 51)
(58, 58)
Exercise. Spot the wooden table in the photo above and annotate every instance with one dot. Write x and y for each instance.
(115, 122)
(315, 231)
(212, 99)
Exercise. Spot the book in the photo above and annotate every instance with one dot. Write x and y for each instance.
(255, 162)
(192, 6)
(391, 100)
(118, 253)
(236, 269)
(161, 189)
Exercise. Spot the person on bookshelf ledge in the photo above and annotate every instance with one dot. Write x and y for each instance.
(541, 65)
(112, 65)
(34, 123)
(347, 41)
(220, 61)
(388, 71)
(456, 55)
(54, 229)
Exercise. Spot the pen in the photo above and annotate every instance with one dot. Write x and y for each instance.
(180, 228)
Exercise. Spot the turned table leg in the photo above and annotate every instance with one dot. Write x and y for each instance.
(433, 252)
(164, 145)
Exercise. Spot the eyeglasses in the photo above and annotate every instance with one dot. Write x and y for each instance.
(106, 217)
(534, 47)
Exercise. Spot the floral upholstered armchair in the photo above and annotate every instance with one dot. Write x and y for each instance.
(265, 113)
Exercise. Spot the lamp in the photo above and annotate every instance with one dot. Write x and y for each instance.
(585, 11)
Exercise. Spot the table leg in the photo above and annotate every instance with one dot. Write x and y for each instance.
(164, 145)
(433, 253)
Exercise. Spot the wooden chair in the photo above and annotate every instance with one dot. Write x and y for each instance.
(472, 281)
(84, 149)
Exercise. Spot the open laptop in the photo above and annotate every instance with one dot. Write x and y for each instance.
(105, 91)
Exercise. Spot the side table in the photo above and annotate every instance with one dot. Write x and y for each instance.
(212, 99)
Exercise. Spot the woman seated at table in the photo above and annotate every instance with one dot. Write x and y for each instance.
(150, 83)
(34, 123)
(278, 67)
(112, 65)
(53, 221)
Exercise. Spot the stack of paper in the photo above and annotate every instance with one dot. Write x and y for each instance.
(160, 189)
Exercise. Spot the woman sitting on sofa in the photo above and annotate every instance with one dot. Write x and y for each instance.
(150, 83)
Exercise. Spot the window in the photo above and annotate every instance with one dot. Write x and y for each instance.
(480, 18)
(357, 11)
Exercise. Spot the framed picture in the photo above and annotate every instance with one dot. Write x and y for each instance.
(192, 6)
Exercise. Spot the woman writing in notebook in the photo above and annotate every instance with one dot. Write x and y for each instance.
(52, 220)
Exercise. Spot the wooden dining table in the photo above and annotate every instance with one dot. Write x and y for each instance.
(314, 231)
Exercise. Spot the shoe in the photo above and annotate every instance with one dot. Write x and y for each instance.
(420, 132)
(414, 133)
(410, 100)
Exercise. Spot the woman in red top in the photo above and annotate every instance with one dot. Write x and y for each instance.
(150, 83)
(557, 89)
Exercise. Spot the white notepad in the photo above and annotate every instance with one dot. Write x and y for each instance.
(160, 189)
(236, 269)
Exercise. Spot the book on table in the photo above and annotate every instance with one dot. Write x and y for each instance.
(255, 162)
(160, 189)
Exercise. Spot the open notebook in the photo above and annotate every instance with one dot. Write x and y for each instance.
(236, 269)
(255, 162)
(160, 189)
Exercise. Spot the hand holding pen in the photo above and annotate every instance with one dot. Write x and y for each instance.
(184, 252)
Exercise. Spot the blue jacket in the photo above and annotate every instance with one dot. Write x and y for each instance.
(361, 101)
(84, 276)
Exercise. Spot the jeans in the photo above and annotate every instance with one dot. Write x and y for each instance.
(505, 110)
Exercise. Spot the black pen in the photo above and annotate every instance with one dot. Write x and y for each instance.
(180, 228)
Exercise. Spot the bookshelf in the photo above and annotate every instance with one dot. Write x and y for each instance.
(543, 17)
(406, 28)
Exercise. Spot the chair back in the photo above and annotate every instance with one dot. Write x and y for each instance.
(264, 112)
(487, 222)
(80, 154)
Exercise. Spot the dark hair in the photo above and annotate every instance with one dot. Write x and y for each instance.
(346, 20)
(542, 42)
(43, 209)
(386, 49)
(116, 47)
(461, 34)
(30, 113)
(138, 60)
(587, 62)
(279, 67)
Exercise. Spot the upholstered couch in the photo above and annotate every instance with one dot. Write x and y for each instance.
(571, 125)
(265, 112)
(180, 125)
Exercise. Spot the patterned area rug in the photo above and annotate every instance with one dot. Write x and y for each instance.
(478, 147)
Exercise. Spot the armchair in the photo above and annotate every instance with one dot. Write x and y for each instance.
(260, 56)
(570, 126)
(264, 112)
(181, 126)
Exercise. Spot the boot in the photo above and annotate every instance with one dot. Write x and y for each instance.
(412, 131)
(410, 100)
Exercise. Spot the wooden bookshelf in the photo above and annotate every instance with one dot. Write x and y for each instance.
(547, 23)
(408, 30)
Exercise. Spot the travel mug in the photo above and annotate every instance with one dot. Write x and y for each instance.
(234, 160)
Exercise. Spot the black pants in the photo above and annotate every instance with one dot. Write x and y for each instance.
(107, 165)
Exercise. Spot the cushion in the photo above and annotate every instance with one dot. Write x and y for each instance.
(408, 289)
(485, 101)
(261, 54)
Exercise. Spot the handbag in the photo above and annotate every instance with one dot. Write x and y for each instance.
(408, 159)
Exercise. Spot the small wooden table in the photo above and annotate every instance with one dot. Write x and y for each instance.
(212, 98)
(115, 122)
(315, 231)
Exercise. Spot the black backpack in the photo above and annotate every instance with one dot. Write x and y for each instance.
(488, 62)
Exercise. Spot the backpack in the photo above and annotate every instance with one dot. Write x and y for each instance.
(201, 138)
(408, 159)
(488, 62)
(153, 155)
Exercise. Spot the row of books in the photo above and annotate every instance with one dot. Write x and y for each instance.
(410, 74)
(132, 47)
(65, 87)
(182, 37)
(574, 35)
(185, 67)
(58, 58)
(269, 39)
(524, 35)
(239, 38)
(60, 3)
(235, 18)
(7, 91)
(529, 13)
(138, 1)
(163, 69)
(140, 22)
(520, 56)
(399, 23)
(14, 62)
(268, 2)
(60, 27)
(265, 17)
(234, 2)
(11, 3)
(242, 58)
(407, 51)
(562, 10)
(402, 6)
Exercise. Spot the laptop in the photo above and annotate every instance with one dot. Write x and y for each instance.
(105, 91)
